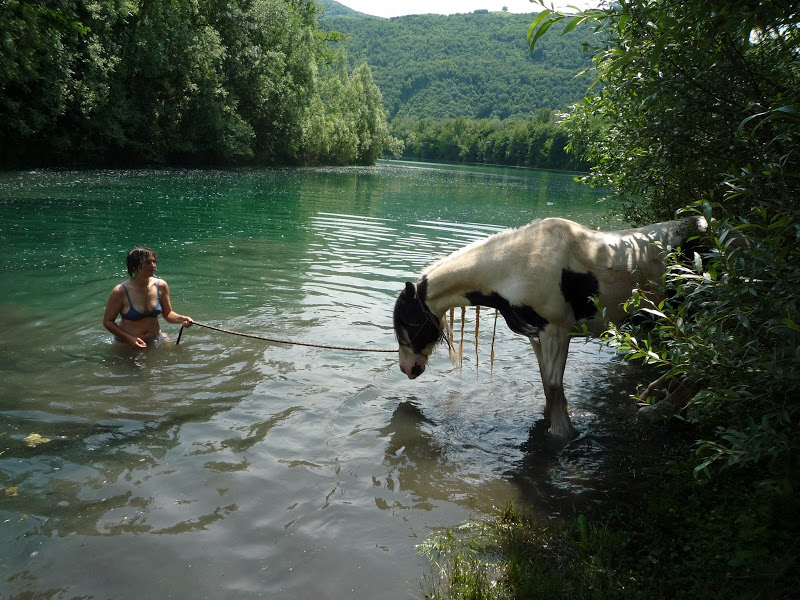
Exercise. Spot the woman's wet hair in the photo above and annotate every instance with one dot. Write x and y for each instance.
(137, 256)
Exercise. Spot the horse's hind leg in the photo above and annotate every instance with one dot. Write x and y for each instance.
(551, 351)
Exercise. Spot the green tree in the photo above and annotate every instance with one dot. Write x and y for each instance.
(685, 92)
(348, 122)
(369, 116)
(174, 81)
(520, 143)
(167, 100)
(51, 64)
(271, 49)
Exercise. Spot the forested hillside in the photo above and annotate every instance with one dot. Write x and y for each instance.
(331, 8)
(475, 65)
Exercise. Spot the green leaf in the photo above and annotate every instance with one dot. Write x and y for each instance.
(542, 30)
(658, 50)
(573, 24)
(790, 324)
(617, 63)
(541, 17)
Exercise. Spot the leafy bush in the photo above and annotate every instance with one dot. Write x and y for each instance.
(729, 324)
(693, 93)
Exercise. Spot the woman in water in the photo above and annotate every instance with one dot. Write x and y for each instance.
(139, 301)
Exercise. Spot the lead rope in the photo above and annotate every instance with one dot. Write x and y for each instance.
(347, 349)
(277, 341)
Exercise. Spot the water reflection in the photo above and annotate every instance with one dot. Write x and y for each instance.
(460, 441)
(414, 458)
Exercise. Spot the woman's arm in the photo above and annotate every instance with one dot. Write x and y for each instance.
(170, 316)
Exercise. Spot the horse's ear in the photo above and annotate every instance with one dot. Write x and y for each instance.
(410, 291)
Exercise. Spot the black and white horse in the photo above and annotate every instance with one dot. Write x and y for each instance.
(542, 278)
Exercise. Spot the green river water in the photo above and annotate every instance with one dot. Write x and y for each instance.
(228, 467)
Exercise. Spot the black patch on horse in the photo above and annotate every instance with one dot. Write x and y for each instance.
(520, 319)
(578, 289)
(412, 314)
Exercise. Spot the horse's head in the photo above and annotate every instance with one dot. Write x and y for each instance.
(416, 327)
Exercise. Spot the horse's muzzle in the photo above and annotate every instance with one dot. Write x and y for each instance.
(414, 371)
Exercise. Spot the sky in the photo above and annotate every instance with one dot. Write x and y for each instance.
(397, 8)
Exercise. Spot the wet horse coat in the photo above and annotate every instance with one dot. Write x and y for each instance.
(542, 278)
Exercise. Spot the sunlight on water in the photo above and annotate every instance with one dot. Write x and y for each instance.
(228, 467)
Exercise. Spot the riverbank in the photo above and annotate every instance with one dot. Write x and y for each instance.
(668, 536)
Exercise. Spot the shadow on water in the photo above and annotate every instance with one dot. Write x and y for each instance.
(560, 478)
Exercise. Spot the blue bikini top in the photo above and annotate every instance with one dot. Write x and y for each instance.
(135, 315)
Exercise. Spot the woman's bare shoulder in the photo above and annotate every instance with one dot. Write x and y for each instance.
(119, 290)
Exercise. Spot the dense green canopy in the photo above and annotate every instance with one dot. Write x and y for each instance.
(175, 81)
(697, 98)
(473, 65)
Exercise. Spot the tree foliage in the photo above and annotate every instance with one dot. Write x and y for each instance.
(475, 66)
(465, 88)
(537, 143)
(692, 95)
(349, 125)
(698, 101)
(171, 81)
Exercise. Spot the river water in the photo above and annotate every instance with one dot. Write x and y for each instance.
(229, 467)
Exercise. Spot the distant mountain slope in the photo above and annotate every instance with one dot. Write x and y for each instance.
(335, 9)
(473, 65)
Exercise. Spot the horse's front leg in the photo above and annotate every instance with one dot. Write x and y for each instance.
(551, 351)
